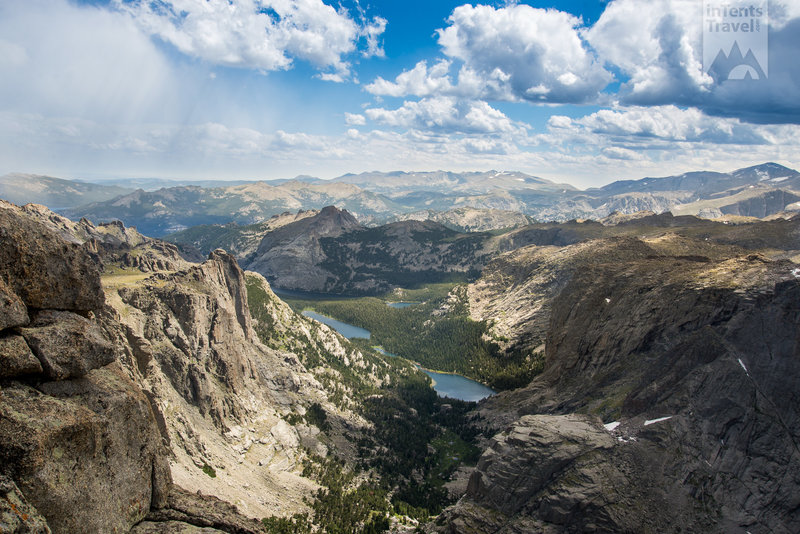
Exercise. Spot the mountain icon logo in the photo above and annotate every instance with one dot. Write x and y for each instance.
(734, 66)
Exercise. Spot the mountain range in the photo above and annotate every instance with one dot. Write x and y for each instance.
(375, 198)
(143, 393)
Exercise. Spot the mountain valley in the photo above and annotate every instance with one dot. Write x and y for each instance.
(644, 357)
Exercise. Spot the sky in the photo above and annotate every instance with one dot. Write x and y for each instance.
(583, 92)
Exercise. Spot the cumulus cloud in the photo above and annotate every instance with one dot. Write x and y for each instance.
(659, 51)
(445, 114)
(354, 119)
(520, 53)
(669, 124)
(540, 50)
(419, 81)
(515, 53)
(259, 34)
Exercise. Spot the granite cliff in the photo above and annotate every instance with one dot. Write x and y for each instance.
(137, 394)
(664, 403)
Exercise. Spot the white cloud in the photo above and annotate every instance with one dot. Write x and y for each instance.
(354, 119)
(520, 53)
(371, 32)
(664, 123)
(658, 47)
(616, 152)
(419, 81)
(538, 51)
(659, 50)
(511, 53)
(258, 34)
(445, 114)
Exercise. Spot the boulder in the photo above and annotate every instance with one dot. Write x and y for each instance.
(12, 310)
(68, 345)
(86, 453)
(16, 358)
(44, 270)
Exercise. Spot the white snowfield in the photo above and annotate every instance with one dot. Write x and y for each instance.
(611, 426)
(743, 367)
(652, 421)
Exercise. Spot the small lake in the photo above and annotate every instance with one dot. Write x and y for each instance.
(400, 304)
(445, 384)
(347, 330)
(458, 387)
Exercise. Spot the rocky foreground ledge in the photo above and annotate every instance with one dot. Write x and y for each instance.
(80, 447)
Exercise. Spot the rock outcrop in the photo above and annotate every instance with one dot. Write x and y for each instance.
(80, 450)
(330, 252)
(221, 394)
(687, 358)
(293, 253)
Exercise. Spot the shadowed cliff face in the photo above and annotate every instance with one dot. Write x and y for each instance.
(90, 394)
(79, 447)
(694, 359)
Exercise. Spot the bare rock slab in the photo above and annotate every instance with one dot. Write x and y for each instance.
(12, 310)
(45, 271)
(68, 345)
(85, 453)
(16, 358)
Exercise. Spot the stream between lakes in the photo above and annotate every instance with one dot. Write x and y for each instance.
(445, 384)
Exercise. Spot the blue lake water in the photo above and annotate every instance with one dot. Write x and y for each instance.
(458, 387)
(347, 330)
(452, 385)
(445, 384)
(400, 304)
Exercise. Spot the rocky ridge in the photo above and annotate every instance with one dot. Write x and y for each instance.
(162, 369)
(331, 252)
(81, 450)
(662, 404)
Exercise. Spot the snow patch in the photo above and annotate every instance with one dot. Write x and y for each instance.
(779, 179)
(652, 421)
(520, 179)
(743, 367)
(608, 300)
(796, 273)
(611, 426)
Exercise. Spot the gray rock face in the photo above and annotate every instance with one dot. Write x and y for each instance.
(83, 452)
(202, 512)
(221, 393)
(45, 271)
(694, 356)
(16, 358)
(68, 345)
(12, 310)
(292, 253)
(522, 460)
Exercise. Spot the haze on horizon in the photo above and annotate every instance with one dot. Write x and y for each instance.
(582, 92)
